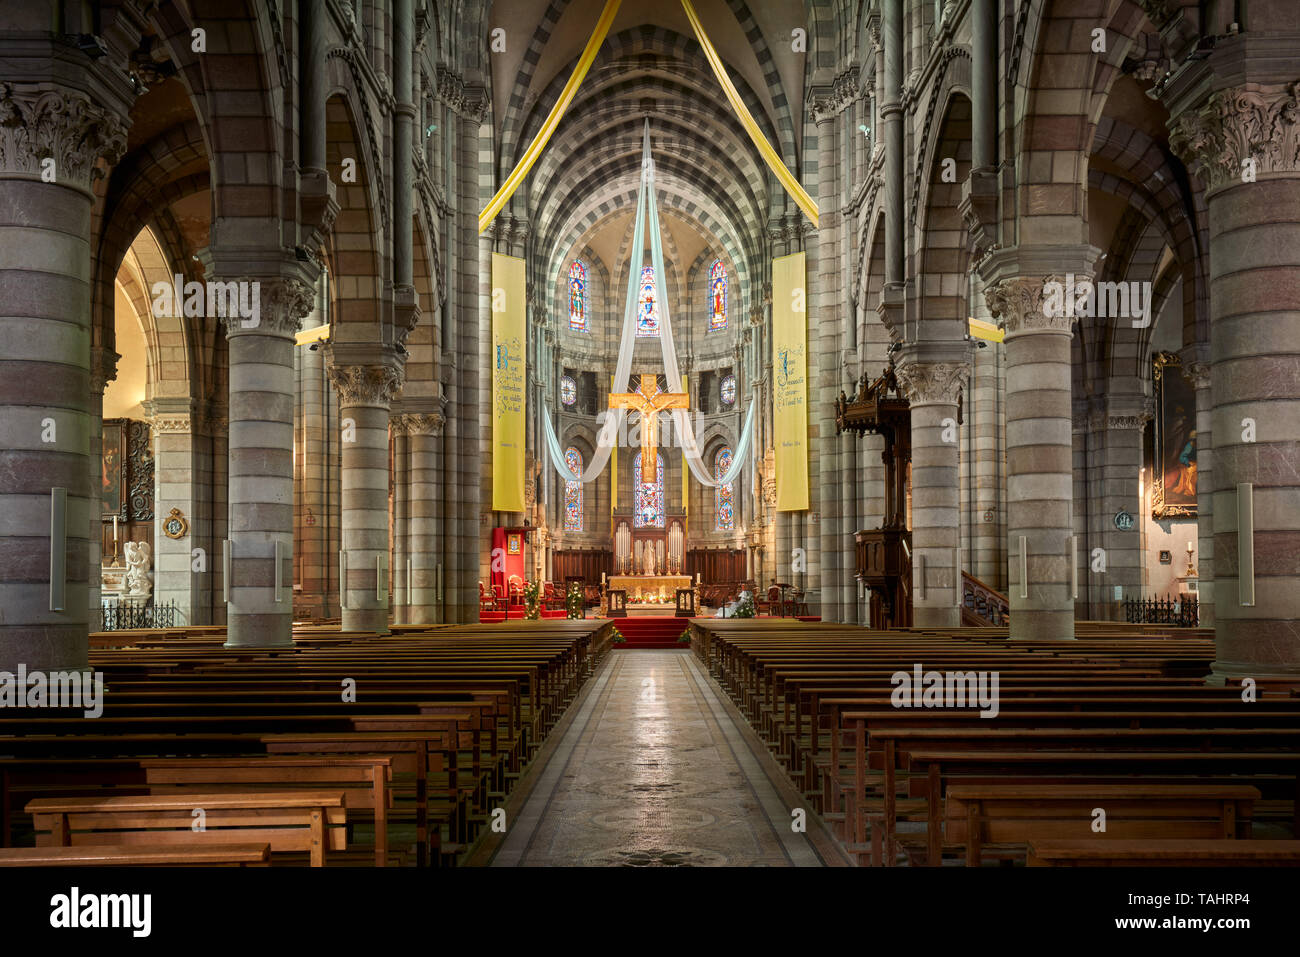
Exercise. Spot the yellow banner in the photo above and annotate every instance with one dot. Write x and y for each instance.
(790, 382)
(553, 118)
(765, 149)
(508, 341)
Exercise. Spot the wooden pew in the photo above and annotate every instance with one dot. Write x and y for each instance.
(139, 855)
(1155, 853)
(311, 821)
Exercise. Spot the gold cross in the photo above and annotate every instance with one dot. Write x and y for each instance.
(649, 401)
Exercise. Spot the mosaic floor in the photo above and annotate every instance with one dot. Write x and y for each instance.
(655, 769)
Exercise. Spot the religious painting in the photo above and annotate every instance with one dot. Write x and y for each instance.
(718, 296)
(648, 500)
(724, 506)
(1173, 485)
(114, 459)
(515, 544)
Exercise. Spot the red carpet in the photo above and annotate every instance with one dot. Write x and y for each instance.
(651, 631)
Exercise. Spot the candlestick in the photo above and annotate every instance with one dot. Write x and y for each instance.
(602, 578)
(114, 529)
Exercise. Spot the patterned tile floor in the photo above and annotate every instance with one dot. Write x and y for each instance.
(655, 768)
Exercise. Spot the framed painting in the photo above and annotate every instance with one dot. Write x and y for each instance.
(515, 544)
(1173, 485)
(112, 481)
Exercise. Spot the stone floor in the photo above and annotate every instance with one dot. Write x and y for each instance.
(653, 767)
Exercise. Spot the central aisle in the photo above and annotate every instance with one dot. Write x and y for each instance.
(653, 770)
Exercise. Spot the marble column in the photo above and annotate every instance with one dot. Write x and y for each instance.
(1241, 142)
(365, 392)
(50, 140)
(103, 370)
(424, 514)
(933, 388)
(1126, 417)
(1039, 446)
(401, 585)
(260, 475)
(1198, 372)
(176, 486)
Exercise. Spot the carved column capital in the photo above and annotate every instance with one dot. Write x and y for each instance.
(1131, 419)
(417, 423)
(932, 382)
(103, 368)
(1239, 134)
(366, 384)
(1024, 304)
(279, 304)
(1197, 372)
(39, 124)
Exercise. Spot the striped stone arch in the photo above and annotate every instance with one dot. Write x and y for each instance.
(167, 337)
(677, 176)
(423, 344)
(952, 78)
(647, 38)
(1154, 177)
(825, 23)
(622, 194)
(354, 245)
(673, 264)
(1059, 99)
(681, 121)
(943, 253)
(240, 62)
(149, 179)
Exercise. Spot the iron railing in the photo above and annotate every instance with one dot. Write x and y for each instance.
(1182, 613)
(137, 613)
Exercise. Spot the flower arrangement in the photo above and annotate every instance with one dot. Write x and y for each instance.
(618, 638)
(685, 639)
(532, 604)
(745, 607)
(573, 602)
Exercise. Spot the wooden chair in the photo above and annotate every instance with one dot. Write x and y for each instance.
(515, 585)
(486, 600)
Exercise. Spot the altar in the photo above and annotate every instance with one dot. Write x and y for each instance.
(650, 589)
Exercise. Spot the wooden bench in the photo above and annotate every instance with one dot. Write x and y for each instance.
(1138, 853)
(311, 821)
(139, 855)
(976, 815)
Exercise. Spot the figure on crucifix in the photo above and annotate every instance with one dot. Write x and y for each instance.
(649, 401)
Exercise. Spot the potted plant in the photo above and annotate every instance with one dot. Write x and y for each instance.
(685, 639)
(573, 602)
(618, 638)
(745, 607)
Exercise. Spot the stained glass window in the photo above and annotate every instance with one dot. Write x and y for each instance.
(573, 492)
(647, 313)
(568, 390)
(579, 296)
(649, 495)
(724, 495)
(718, 296)
(728, 389)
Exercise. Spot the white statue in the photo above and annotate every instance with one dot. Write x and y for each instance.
(650, 558)
(138, 584)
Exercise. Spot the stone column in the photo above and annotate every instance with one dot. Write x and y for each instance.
(1249, 132)
(103, 370)
(261, 465)
(176, 486)
(1039, 445)
(365, 389)
(45, 360)
(1198, 372)
(1126, 418)
(933, 388)
(850, 476)
(426, 550)
(400, 483)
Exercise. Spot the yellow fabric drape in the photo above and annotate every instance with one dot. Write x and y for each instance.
(613, 466)
(686, 472)
(508, 378)
(520, 172)
(800, 195)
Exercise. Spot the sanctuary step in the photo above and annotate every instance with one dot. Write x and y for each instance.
(651, 631)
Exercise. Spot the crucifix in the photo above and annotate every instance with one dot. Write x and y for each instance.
(649, 401)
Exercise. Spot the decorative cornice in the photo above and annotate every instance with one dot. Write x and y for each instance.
(417, 423)
(1197, 372)
(39, 124)
(172, 424)
(282, 304)
(1255, 122)
(1019, 305)
(932, 382)
(366, 384)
